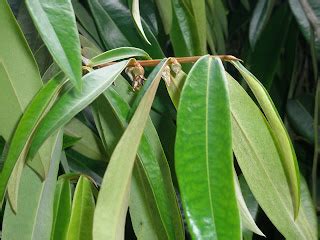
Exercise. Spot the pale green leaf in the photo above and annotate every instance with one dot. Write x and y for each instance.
(112, 202)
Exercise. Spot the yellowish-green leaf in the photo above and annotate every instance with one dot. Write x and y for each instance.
(112, 203)
(279, 133)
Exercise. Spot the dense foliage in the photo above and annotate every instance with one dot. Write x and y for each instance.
(128, 119)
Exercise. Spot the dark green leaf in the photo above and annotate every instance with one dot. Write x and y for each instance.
(260, 17)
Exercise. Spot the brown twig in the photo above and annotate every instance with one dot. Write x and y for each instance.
(193, 59)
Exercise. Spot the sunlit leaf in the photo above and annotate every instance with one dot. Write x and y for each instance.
(203, 147)
(59, 32)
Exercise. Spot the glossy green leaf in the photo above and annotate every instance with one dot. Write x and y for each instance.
(34, 217)
(118, 54)
(260, 17)
(112, 202)
(203, 147)
(135, 11)
(259, 160)
(88, 143)
(116, 27)
(151, 173)
(300, 119)
(81, 219)
(185, 40)
(279, 133)
(272, 40)
(61, 209)
(307, 27)
(20, 141)
(73, 101)
(165, 11)
(247, 221)
(64, 45)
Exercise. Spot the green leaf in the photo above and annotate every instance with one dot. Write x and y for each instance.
(260, 17)
(175, 87)
(151, 173)
(86, 21)
(203, 153)
(185, 40)
(110, 18)
(300, 119)
(279, 133)
(64, 45)
(81, 220)
(308, 28)
(259, 160)
(165, 11)
(142, 219)
(14, 64)
(33, 220)
(251, 204)
(199, 11)
(247, 220)
(118, 54)
(135, 11)
(112, 202)
(73, 101)
(273, 40)
(21, 139)
(61, 209)
(88, 144)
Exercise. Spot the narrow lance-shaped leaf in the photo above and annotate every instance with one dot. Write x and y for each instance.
(73, 101)
(112, 202)
(81, 220)
(279, 133)
(203, 146)
(20, 141)
(246, 218)
(135, 11)
(152, 170)
(165, 11)
(61, 209)
(118, 54)
(259, 19)
(56, 24)
(34, 217)
(259, 160)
